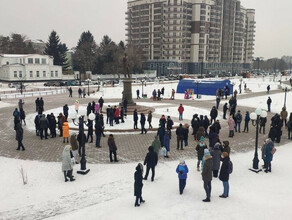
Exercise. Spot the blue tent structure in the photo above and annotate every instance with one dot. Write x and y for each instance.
(205, 87)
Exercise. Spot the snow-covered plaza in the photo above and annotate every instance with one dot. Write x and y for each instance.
(107, 191)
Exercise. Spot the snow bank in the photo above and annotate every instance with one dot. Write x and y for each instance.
(107, 192)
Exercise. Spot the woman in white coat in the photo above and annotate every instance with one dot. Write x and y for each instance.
(67, 163)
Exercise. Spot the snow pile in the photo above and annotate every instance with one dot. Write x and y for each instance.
(107, 192)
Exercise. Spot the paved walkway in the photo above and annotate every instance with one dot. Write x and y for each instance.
(131, 146)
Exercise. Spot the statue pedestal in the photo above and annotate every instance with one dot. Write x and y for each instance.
(127, 92)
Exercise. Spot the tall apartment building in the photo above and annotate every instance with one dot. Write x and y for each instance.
(191, 35)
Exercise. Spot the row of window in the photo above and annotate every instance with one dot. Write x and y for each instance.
(31, 74)
(37, 61)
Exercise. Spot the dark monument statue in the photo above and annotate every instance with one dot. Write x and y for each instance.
(127, 81)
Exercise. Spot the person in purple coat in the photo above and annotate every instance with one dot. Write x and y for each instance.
(182, 170)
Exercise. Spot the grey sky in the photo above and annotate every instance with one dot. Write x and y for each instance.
(37, 18)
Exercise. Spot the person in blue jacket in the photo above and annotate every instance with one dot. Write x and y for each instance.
(269, 156)
(182, 170)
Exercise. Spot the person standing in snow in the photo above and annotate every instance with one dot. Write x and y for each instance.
(207, 177)
(65, 132)
(166, 142)
(238, 119)
(100, 101)
(224, 174)
(216, 156)
(217, 102)
(67, 164)
(269, 102)
(283, 114)
(142, 123)
(180, 137)
(138, 184)
(19, 136)
(195, 125)
(186, 134)
(149, 119)
(161, 133)
(135, 117)
(74, 145)
(263, 122)
(225, 108)
(231, 125)
(180, 111)
(213, 114)
(200, 151)
(246, 121)
(112, 148)
(156, 144)
(182, 170)
(150, 161)
(269, 156)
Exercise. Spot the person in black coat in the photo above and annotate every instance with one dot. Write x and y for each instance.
(150, 162)
(195, 125)
(225, 108)
(98, 133)
(112, 148)
(142, 122)
(90, 131)
(88, 109)
(180, 136)
(41, 105)
(44, 125)
(217, 102)
(19, 136)
(212, 137)
(213, 114)
(138, 184)
(186, 134)
(206, 124)
(169, 123)
(263, 122)
(52, 125)
(100, 101)
(135, 117)
(108, 109)
(224, 174)
(79, 139)
(65, 111)
(37, 104)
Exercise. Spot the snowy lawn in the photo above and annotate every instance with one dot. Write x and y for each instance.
(261, 102)
(4, 104)
(106, 192)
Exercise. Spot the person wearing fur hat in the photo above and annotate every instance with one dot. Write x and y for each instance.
(138, 184)
(216, 156)
(226, 147)
(150, 162)
(200, 151)
(224, 174)
(207, 176)
(67, 164)
(182, 170)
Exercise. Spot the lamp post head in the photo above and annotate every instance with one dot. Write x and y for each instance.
(258, 111)
(253, 116)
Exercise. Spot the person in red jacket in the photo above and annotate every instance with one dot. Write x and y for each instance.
(117, 115)
(180, 111)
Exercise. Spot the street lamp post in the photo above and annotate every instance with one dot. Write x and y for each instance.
(255, 117)
(286, 89)
(80, 124)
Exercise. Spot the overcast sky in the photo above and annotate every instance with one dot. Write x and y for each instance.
(37, 18)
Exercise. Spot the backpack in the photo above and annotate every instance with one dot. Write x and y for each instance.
(230, 167)
(273, 151)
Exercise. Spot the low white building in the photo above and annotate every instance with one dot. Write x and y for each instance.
(28, 67)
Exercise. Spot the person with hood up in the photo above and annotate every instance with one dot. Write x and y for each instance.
(65, 132)
(76, 106)
(216, 156)
(224, 174)
(142, 123)
(231, 125)
(207, 176)
(200, 151)
(138, 184)
(206, 153)
(182, 170)
(156, 145)
(246, 121)
(19, 136)
(166, 142)
(112, 148)
(74, 145)
(67, 164)
(150, 161)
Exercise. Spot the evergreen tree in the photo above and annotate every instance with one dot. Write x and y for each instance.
(57, 50)
(84, 58)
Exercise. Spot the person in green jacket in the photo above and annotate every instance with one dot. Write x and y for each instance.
(156, 145)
